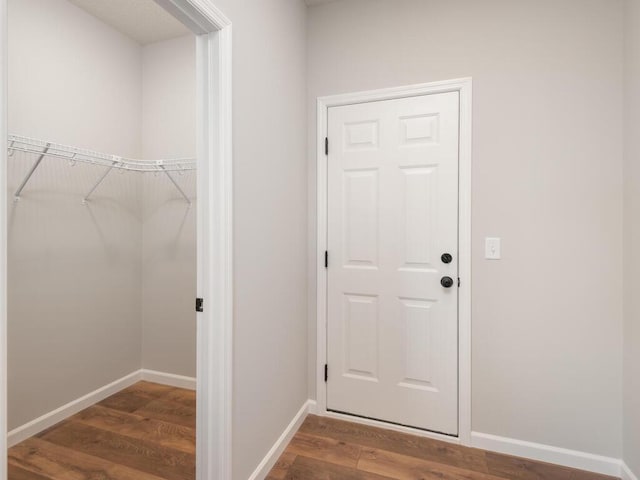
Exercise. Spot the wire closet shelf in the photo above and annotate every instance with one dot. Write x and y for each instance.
(42, 149)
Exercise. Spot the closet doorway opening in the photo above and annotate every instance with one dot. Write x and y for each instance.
(115, 244)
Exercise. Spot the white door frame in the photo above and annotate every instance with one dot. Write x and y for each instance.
(215, 324)
(464, 87)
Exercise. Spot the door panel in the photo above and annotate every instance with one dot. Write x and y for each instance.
(361, 218)
(392, 212)
(361, 318)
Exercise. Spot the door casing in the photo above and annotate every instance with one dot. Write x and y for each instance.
(464, 87)
(214, 223)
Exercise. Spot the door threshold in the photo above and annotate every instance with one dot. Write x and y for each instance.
(398, 427)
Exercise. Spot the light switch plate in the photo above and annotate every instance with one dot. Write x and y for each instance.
(492, 248)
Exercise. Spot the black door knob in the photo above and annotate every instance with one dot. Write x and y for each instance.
(446, 258)
(446, 282)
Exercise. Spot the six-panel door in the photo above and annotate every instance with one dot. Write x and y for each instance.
(392, 213)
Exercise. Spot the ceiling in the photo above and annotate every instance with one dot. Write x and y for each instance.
(143, 20)
(317, 2)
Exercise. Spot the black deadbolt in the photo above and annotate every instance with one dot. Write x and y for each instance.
(446, 282)
(446, 258)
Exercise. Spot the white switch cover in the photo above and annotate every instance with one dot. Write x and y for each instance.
(492, 248)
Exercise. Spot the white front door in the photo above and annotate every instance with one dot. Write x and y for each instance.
(392, 290)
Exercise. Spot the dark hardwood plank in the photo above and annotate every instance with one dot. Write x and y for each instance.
(135, 426)
(151, 389)
(326, 449)
(304, 468)
(125, 402)
(281, 468)
(147, 432)
(169, 411)
(403, 467)
(318, 453)
(137, 454)
(522, 469)
(18, 473)
(43, 459)
(107, 442)
(402, 443)
(182, 396)
(135, 397)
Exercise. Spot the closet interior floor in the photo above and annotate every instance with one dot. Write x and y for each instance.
(145, 432)
(328, 449)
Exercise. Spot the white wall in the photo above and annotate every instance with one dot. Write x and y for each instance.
(74, 270)
(632, 238)
(270, 215)
(169, 225)
(547, 178)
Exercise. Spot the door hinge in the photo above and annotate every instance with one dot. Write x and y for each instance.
(326, 372)
(326, 145)
(199, 305)
(326, 259)
(458, 282)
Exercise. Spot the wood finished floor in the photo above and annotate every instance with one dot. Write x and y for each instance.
(327, 449)
(145, 432)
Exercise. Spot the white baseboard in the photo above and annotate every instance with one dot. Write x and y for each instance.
(546, 453)
(626, 473)
(47, 420)
(269, 461)
(169, 379)
(313, 407)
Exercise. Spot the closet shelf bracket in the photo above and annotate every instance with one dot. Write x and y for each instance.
(100, 180)
(33, 168)
(175, 184)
